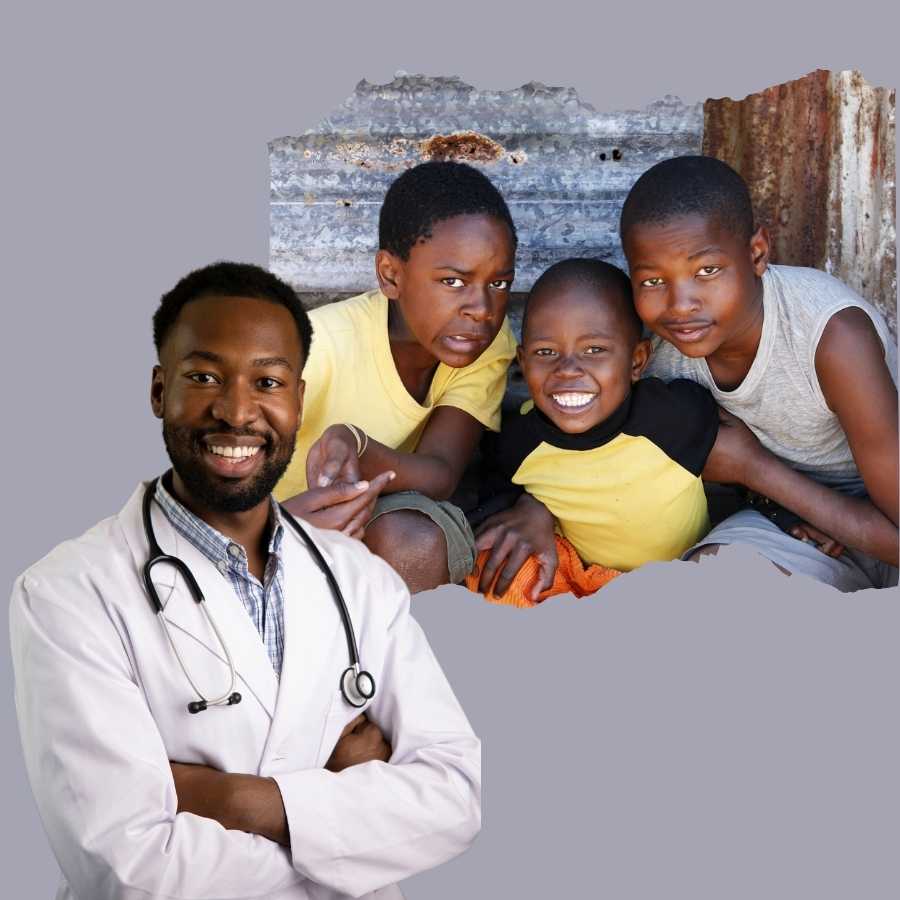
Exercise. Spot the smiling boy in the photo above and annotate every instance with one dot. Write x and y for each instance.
(615, 459)
(406, 377)
(807, 364)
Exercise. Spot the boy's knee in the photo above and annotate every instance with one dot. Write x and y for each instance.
(413, 545)
(713, 549)
(705, 550)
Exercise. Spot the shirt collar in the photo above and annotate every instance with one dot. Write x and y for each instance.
(602, 433)
(208, 540)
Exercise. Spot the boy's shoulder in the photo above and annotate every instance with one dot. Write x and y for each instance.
(359, 314)
(680, 417)
(806, 299)
(810, 290)
(801, 277)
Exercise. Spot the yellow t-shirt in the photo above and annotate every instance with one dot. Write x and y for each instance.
(628, 491)
(351, 377)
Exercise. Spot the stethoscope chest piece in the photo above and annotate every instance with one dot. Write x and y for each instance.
(358, 687)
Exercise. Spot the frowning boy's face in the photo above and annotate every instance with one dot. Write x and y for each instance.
(450, 295)
(579, 356)
(696, 283)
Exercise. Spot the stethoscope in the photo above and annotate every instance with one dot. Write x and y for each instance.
(357, 685)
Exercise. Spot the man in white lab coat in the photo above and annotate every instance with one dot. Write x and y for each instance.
(288, 792)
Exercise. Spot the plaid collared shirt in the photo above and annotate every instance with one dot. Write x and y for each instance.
(264, 602)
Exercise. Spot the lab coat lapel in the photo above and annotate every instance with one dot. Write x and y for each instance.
(251, 662)
(315, 653)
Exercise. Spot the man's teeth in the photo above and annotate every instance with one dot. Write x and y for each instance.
(234, 452)
(570, 399)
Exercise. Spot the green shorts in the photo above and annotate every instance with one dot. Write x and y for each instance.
(448, 517)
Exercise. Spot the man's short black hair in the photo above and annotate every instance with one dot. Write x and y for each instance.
(602, 278)
(432, 192)
(688, 186)
(230, 279)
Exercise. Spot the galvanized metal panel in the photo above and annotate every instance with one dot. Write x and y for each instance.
(861, 246)
(819, 156)
(563, 167)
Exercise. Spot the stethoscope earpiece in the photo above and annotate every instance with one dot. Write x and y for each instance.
(196, 706)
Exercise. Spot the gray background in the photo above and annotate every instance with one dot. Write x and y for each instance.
(692, 731)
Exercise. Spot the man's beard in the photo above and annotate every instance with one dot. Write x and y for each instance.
(185, 447)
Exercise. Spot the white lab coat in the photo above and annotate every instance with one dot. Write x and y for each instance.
(101, 702)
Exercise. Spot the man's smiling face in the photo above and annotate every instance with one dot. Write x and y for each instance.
(229, 391)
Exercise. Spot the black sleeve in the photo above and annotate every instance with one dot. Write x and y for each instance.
(502, 454)
(680, 417)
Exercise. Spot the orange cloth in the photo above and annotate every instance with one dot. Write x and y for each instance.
(571, 578)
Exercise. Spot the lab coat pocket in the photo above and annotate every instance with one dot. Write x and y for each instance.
(340, 712)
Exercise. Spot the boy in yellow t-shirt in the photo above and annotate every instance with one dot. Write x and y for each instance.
(402, 380)
(615, 458)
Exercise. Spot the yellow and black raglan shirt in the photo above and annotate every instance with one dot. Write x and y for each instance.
(628, 491)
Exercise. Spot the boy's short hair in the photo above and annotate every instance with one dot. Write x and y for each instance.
(595, 275)
(230, 279)
(687, 186)
(432, 192)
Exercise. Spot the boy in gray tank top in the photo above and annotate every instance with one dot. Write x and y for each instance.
(808, 365)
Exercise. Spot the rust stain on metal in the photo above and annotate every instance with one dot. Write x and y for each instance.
(541, 145)
(776, 139)
(463, 146)
(364, 155)
(818, 156)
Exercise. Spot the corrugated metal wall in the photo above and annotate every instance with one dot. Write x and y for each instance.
(563, 168)
(818, 154)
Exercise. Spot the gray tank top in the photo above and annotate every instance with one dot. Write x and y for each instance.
(780, 398)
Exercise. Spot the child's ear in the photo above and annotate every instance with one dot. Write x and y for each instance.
(640, 356)
(520, 353)
(389, 271)
(759, 250)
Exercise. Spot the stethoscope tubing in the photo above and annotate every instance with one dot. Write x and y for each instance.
(357, 691)
(333, 586)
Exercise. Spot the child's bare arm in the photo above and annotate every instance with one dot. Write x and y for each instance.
(434, 469)
(858, 388)
(738, 457)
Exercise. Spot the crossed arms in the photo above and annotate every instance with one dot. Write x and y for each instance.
(253, 804)
(105, 789)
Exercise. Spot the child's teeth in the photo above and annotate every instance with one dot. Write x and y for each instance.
(573, 399)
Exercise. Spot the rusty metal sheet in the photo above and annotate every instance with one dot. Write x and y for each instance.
(563, 167)
(818, 155)
(861, 244)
